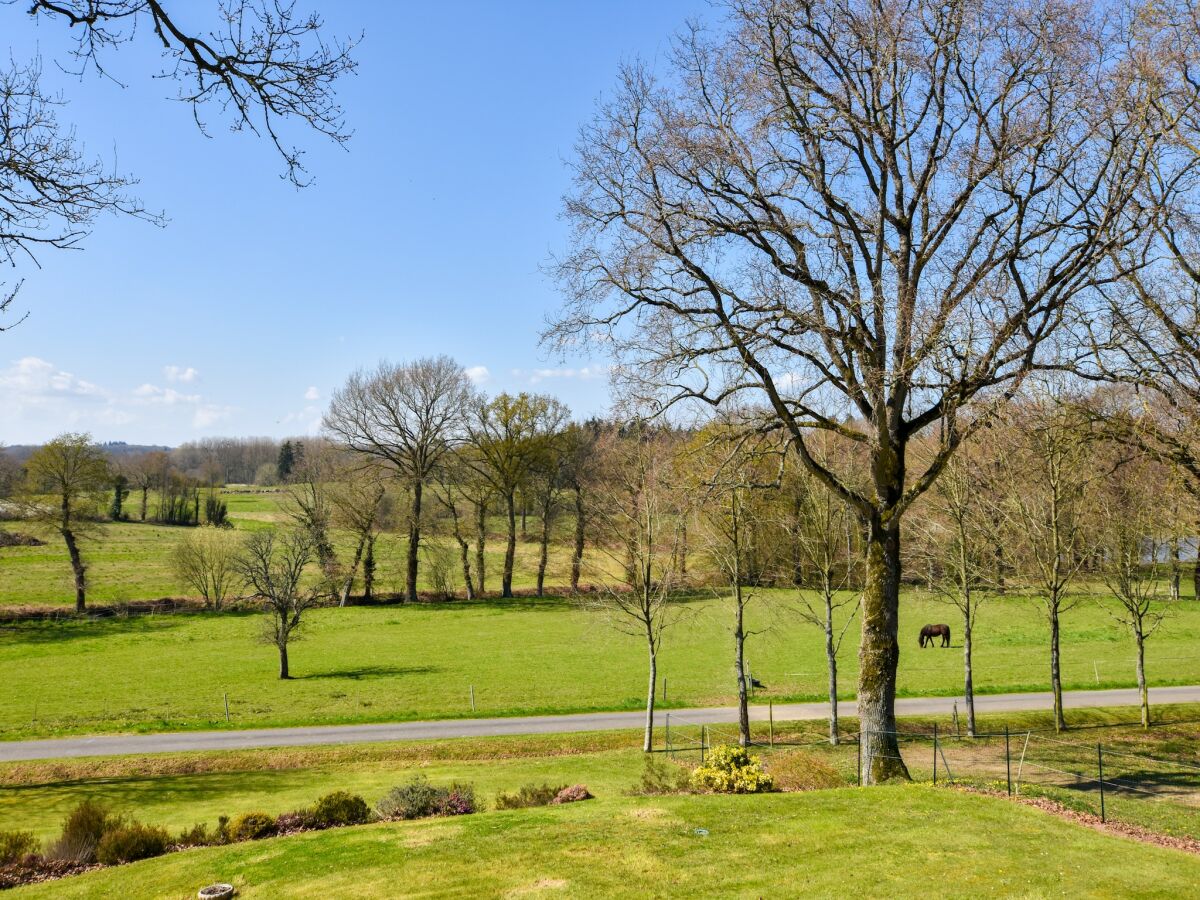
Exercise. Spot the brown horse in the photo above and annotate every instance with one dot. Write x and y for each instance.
(929, 632)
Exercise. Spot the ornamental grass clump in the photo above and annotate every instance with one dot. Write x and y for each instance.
(731, 770)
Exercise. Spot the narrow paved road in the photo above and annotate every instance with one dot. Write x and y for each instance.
(11, 751)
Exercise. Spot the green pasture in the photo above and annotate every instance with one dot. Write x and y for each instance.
(522, 656)
(903, 841)
(132, 560)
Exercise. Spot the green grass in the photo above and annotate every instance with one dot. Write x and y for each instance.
(132, 560)
(177, 790)
(898, 841)
(362, 664)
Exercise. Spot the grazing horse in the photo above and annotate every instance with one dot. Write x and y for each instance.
(929, 632)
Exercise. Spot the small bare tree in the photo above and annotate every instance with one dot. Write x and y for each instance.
(822, 531)
(362, 506)
(1127, 512)
(1045, 497)
(207, 560)
(636, 512)
(272, 564)
(64, 481)
(958, 540)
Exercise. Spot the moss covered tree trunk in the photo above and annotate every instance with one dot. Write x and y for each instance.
(510, 548)
(414, 542)
(577, 553)
(480, 543)
(879, 654)
(77, 568)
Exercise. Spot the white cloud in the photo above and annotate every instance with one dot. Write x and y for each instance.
(208, 414)
(584, 373)
(312, 394)
(179, 373)
(31, 380)
(151, 393)
(479, 374)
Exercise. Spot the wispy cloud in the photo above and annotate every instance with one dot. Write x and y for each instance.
(533, 376)
(312, 394)
(179, 373)
(479, 374)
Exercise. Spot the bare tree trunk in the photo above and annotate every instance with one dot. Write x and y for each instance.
(480, 540)
(1141, 677)
(739, 662)
(968, 679)
(369, 570)
(348, 584)
(510, 550)
(879, 655)
(414, 542)
(283, 661)
(1055, 674)
(77, 567)
(683, 550)
(648, 738)
(524, 515)
(1176, 570)
(577, 554)
(544, 553)
(831, 667)
(145, 501)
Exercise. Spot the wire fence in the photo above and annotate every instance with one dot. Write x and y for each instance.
(1159, 791)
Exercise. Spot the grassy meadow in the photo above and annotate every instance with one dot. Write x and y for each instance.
(522, 656)
(810, 844)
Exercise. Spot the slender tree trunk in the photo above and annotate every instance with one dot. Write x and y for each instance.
(831, 667)
(1176, 569)
(739, 663)
(369, 570)
(1055, 674)
(348, 584)
(577, 554)
(1141, 677)
(648, 738)
(77, 567)
(414, 542)
(544, 552)
(145, 501)
(683, 550)
(524, 515)
(968, 674)
(480, 540)
(283, 661)
(879, 655)
(510, 549)
(465, 559)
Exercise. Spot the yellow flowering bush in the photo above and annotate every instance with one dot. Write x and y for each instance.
(731, 770)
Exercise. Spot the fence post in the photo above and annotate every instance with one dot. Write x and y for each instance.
(668, 737)
(935, 750)
(858, 768)
(1100, 763)
(957, 730)
(227, 707)
(1007, 761)
(472, 688)
(664, 689)
(771, 719)
(703, 742)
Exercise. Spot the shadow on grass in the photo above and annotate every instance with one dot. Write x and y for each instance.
(361, 672)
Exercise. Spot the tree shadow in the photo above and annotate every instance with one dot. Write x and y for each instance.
(359, 673)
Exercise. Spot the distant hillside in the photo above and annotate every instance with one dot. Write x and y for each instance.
(112, 448)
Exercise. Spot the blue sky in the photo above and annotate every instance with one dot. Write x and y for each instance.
(257, 300)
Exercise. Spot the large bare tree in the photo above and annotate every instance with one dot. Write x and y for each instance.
(408, 416)
(864, 218)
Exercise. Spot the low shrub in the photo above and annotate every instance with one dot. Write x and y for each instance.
(82, 832)
(418, 799)
(529, 795)
(294, 821)
(799, 771)
(251, 826)
(16, 845)
(340, 808)
(572, 794)
(662, 777)
(131, 842)
(731, 770)
(199, 835)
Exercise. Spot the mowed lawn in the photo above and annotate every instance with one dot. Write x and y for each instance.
(907, 841)
(362, 664)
